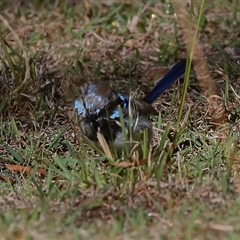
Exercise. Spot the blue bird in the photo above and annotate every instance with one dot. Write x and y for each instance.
(98, 110)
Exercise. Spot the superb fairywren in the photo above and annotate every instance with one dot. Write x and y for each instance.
(100, 109)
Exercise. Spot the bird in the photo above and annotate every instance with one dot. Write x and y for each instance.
(102, 109)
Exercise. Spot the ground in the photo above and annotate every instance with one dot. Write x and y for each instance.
(56, 186)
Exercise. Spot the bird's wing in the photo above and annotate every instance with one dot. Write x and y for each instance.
(141, 108)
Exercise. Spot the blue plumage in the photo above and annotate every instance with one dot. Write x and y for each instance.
(98, 109)
(176, 72)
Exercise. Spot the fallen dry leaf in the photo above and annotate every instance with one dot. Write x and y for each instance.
(156, 73)
(41, 172)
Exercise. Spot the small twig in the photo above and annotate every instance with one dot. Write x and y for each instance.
(237, 96)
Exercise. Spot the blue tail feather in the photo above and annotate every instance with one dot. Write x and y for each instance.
(173, 75)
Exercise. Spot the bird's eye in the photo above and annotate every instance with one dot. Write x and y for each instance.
(78, 107)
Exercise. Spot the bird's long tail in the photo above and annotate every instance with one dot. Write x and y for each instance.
(173, 75)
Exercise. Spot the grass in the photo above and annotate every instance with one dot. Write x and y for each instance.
(186, 190)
